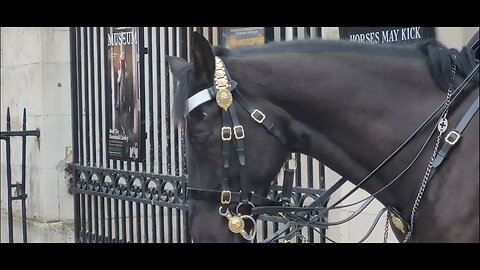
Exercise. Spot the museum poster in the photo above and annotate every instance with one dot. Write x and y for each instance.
(123, 96)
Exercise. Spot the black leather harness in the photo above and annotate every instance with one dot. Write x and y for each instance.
(233, 133)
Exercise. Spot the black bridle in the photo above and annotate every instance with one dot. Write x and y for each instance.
(232, 132)
(225, 92)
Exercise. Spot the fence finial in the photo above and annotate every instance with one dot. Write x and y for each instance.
(24, 119)
(8, 118)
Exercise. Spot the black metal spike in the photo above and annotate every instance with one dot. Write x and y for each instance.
(24, 119)
(8, 118)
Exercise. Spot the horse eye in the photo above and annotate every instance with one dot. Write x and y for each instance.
(204, 116)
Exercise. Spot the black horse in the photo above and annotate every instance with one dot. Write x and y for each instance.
(349, 105)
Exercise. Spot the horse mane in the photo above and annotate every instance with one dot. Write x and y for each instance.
(440, 61)
(436, 54)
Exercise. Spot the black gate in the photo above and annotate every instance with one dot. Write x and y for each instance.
(142, 199)
(17, 191)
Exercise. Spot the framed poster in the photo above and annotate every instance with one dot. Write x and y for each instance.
(123, 97)
(399, 35)
(233, 37)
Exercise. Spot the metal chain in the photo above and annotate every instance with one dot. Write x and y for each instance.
(385, 233)
(450, 88)
(429, 167)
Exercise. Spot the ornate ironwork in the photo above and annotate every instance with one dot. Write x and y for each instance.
(128, 206)
(147, 188)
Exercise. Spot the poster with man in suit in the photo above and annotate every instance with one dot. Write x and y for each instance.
(123, 95)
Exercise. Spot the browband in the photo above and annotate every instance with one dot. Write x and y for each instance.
(203, 96)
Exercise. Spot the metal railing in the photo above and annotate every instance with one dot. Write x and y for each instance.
(16, 191)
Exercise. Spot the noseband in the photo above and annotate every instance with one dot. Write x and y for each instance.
(225, 93)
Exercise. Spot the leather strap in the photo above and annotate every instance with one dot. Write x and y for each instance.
(214, 196)
(287, 185)
(319, 201)
(256, 115)
(310, 222)
(454, 135)
(198, 99)
(226, 133)
(304, 211)
(239, 143)
(311, 210)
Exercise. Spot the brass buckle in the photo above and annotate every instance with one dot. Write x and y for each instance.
(223, 200)
(238, 135)
(225, 137)
(261, 114)
(455, 140)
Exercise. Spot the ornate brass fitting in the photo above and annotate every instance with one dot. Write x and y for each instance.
(223, 97)
(236, 224)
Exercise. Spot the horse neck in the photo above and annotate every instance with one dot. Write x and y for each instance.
(355, 109)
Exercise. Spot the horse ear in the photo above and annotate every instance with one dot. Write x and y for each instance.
(203, 59)
(176, 65)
